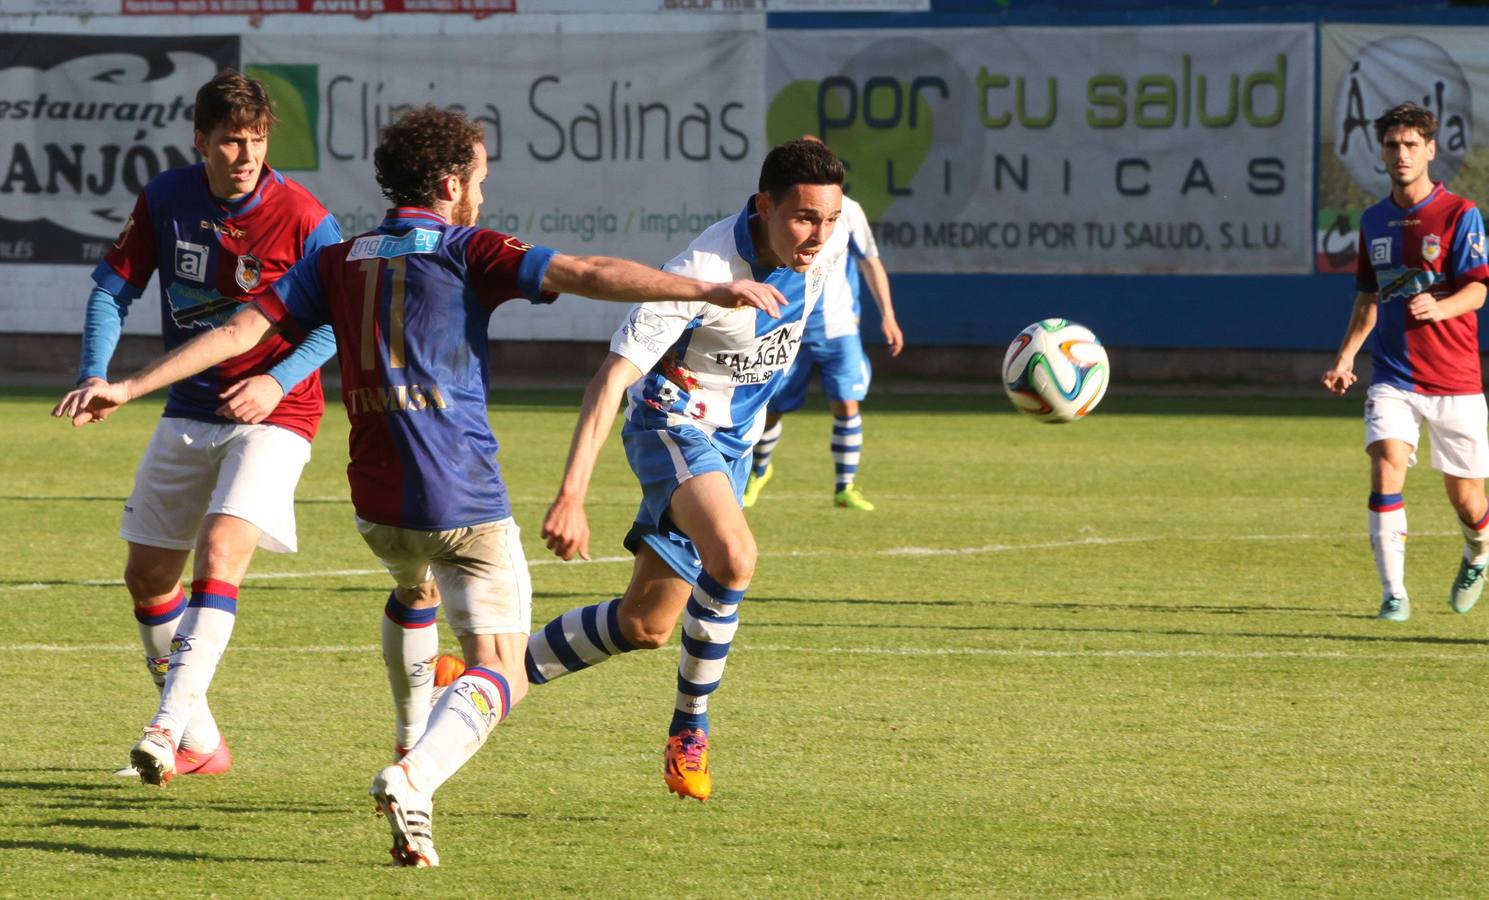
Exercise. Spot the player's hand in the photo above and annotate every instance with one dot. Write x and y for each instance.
(251, 400)
(1423, 307)
(893, 335)
(92, 401)
(757, 294)
(1338, 379)
(566, 529)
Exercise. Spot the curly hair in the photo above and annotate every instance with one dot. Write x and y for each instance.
(235, 100)
(419, 150)
(802, 161)
(1407, 115)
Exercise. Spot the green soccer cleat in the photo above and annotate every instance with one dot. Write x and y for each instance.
(1467, 586)
(1394, 609)
(850, 498)
(755, 485)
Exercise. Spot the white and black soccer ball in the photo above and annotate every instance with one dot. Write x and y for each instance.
(1056, 371)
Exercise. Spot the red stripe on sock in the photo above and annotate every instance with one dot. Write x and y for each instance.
(213, 586)
(501, 690)
(1481, 524)
(162, 608)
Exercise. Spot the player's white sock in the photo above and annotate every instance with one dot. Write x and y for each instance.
(708, 627)
(576, 640)
(766, 446)
(157, 625)
(1476, 541)
(410, 644)
(1388, 542)
(196, 650)
(462, 720)
(847, 446)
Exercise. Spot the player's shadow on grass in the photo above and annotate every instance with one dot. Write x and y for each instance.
(156, 855)
(1067, 606)
(117, 825)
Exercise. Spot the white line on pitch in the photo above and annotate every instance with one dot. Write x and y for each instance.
(1012, 653)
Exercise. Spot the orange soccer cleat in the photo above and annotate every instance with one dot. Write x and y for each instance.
(685, 766)
(446, 669)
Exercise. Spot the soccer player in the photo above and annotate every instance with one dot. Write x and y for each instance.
(220, 472)
(698, 379)
(832, 346)
(410, 303)
(1420, 282)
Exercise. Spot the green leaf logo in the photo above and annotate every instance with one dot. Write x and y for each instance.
(295, 90)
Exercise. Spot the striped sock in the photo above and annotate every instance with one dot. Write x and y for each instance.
(196, 650)
(460, 723)
(766, 446)
(708, 627)
(410, 644)
(157, 625)
(576, 640)
(847, 445)
(1476, 541)
(1388, 542)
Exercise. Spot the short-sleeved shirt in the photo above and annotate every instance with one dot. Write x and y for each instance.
(713, 367)
(838, 313)
(210, 256)
(1436, 246)
(410, 304)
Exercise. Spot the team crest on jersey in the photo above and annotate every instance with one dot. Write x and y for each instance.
(249, 272)
(191, 261)
(1431, 247)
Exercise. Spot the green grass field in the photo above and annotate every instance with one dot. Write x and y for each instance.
(1133, 656)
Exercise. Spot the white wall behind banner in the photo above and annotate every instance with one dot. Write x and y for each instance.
(1102, 150)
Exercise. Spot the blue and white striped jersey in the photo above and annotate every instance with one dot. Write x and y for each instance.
(713, 367)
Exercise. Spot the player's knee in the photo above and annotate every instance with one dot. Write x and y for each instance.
(733, 564)
(147, 585)
(643, 634)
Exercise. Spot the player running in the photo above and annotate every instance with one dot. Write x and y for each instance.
(1420, 281)
(697, 380)
(832, 346)
(220, 472)
(410, 303)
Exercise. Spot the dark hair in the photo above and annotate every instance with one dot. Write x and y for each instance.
(799, 162)
(421, 148)
(1407, 115)
(235, 100)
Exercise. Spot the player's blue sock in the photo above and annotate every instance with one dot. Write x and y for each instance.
(410, 644)
(847, 444)
(765, 447)
(576, 640)
(708, 627)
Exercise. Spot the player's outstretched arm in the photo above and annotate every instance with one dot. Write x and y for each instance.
(93, 402)
(1361, 322)
(612, 278)
(566, 526)
(878, 281)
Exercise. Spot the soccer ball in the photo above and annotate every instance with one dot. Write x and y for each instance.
(1055, 370)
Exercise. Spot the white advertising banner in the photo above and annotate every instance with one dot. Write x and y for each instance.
(1364, 71)
(1072, 150)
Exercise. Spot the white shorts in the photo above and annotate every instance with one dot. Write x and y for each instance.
(1458, 425)
(481, 572)
(192, 469)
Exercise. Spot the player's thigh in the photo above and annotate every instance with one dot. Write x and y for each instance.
(483, 579)
(845, 368)
(1393, 426)
(224, 548)
(172, 487)
(1459, 429)
(793, 391)
(707, 510)
(261, 465)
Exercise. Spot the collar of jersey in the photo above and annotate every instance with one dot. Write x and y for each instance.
(1437, 189)
(405, 216)
(248, 201)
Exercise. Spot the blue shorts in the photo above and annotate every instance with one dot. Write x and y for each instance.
(662, 460)
(845, 372)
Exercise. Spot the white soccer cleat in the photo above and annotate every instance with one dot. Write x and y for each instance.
(410, 815)
(154, 757)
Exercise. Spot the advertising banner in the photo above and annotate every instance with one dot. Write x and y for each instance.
(1073, 150)
(1367, 69)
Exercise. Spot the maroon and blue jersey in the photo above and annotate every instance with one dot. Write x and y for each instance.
(410, 303)
(211, 255)
(1435, 247)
